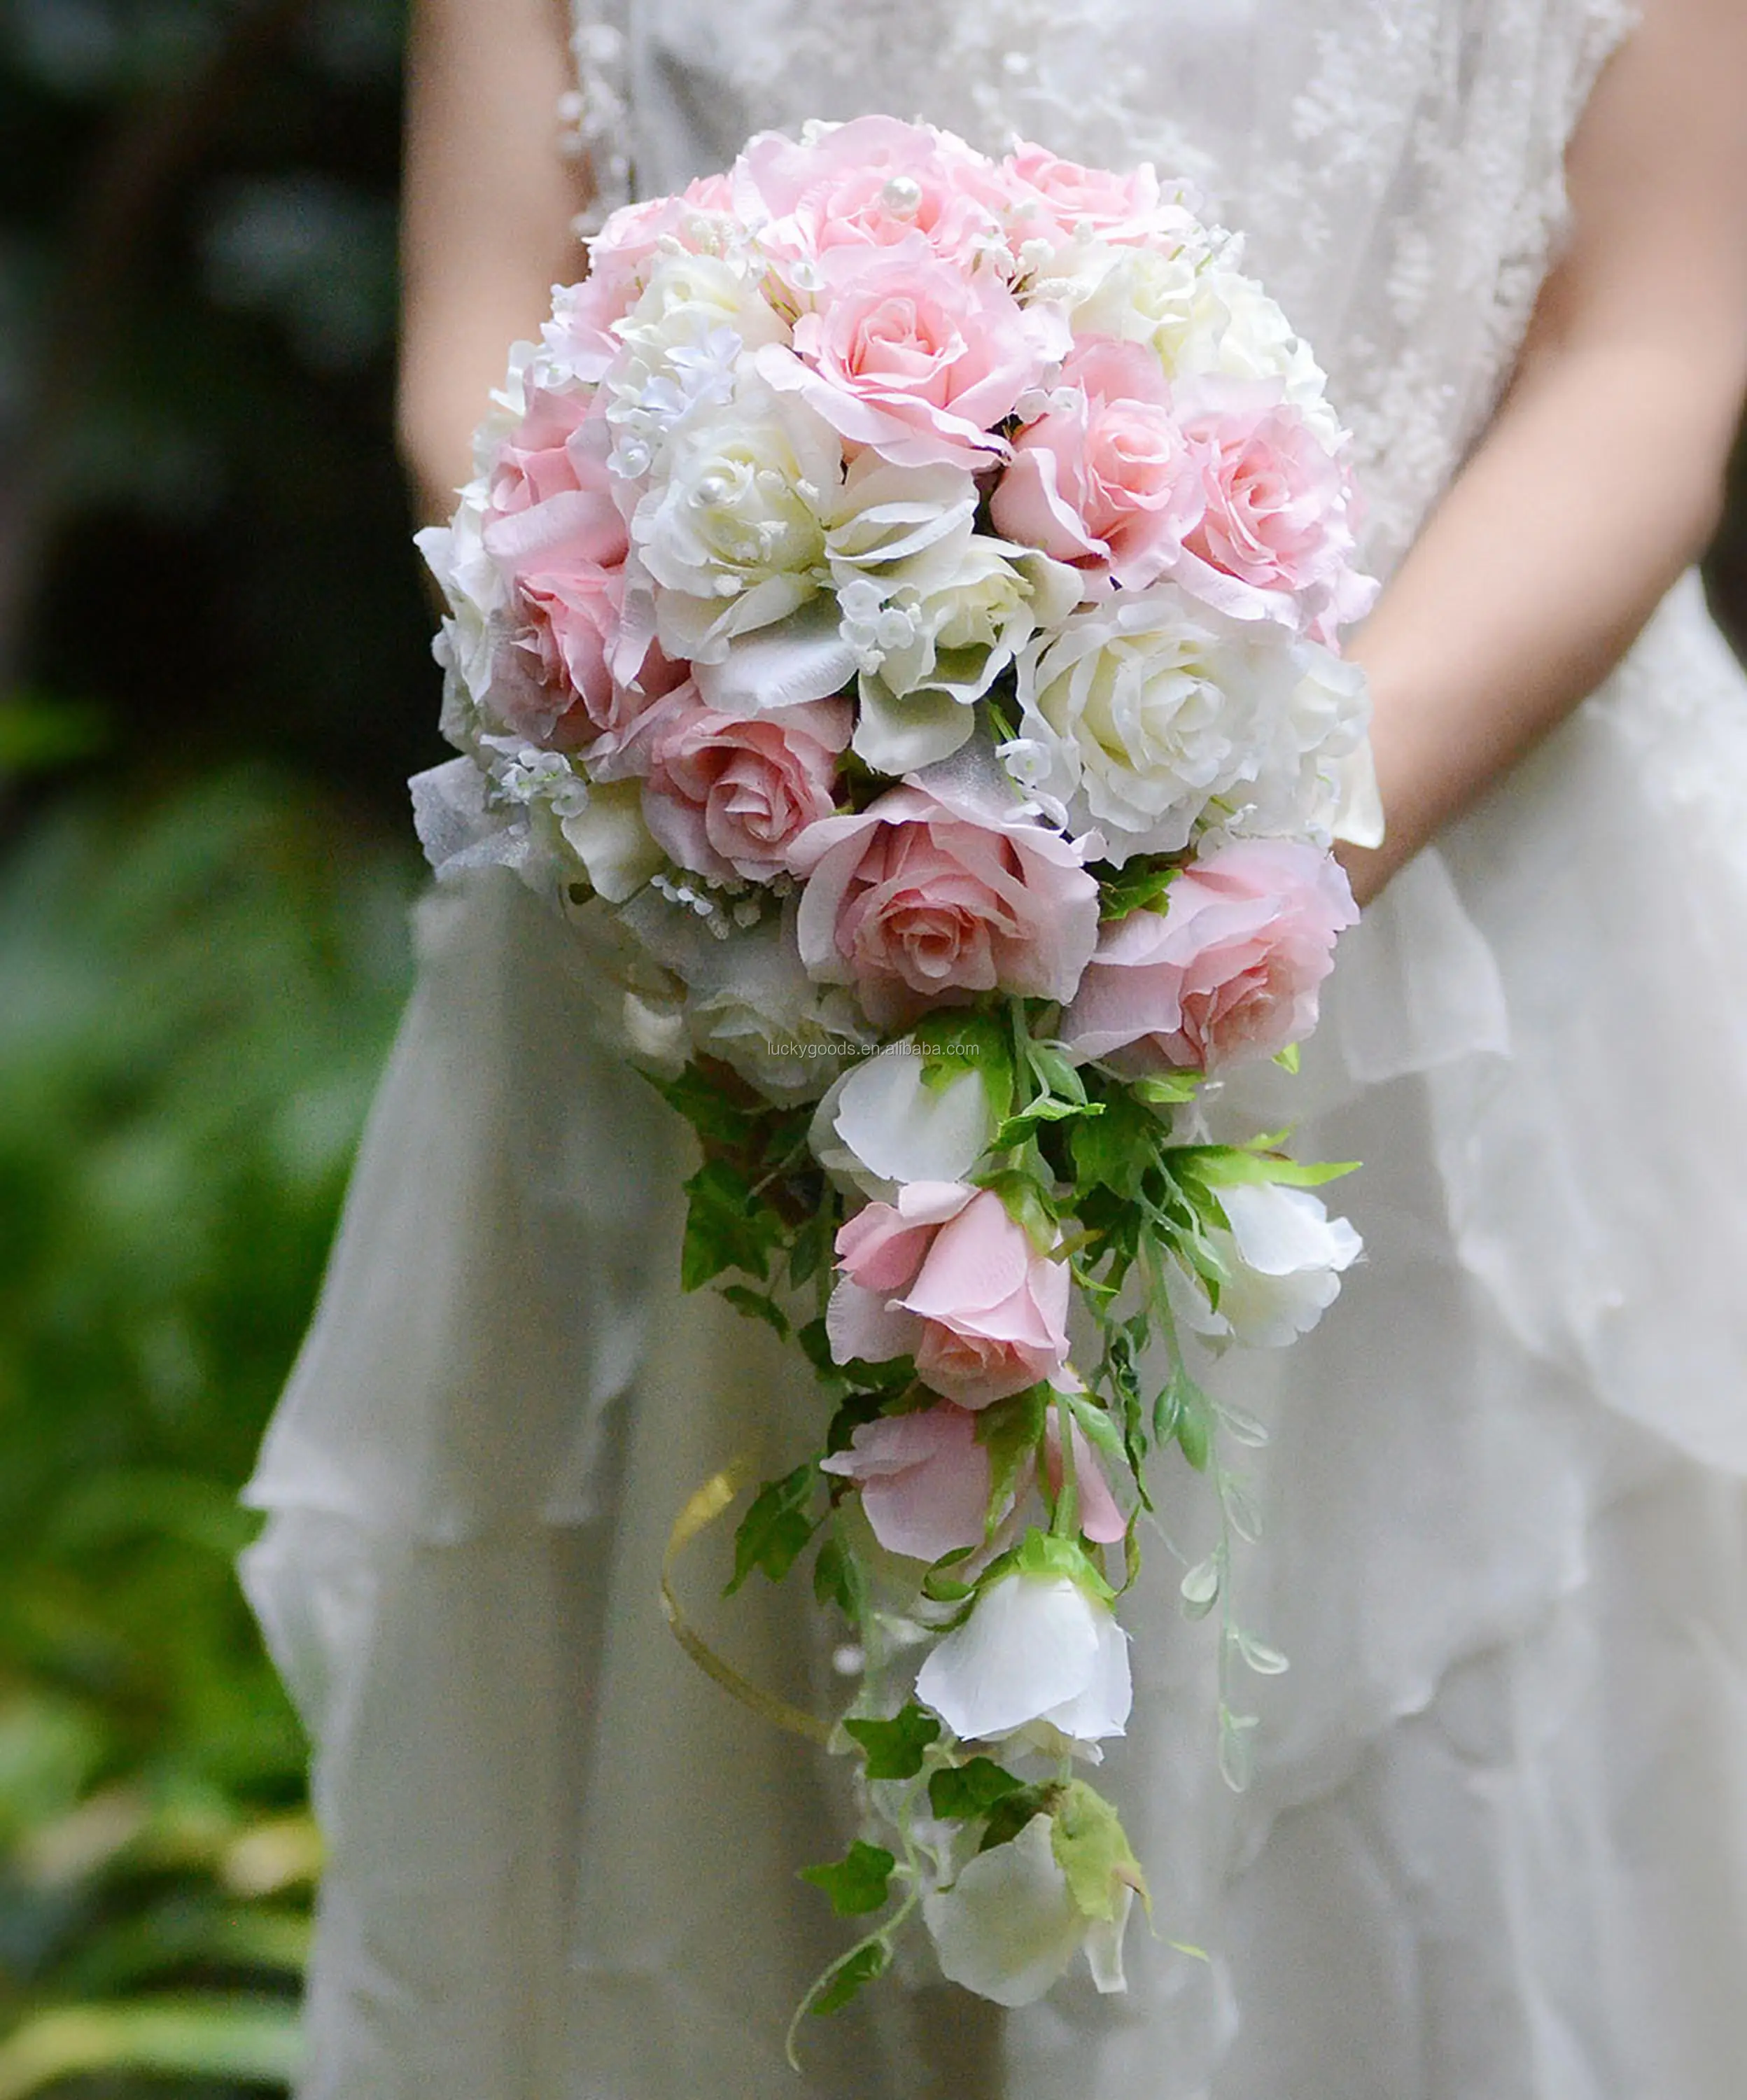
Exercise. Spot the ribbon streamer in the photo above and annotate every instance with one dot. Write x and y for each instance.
(702, 1507)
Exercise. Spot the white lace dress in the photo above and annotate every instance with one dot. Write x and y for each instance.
(1497, 1846)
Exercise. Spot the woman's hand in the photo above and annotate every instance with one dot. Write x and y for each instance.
(486, 222)
(1601, 477)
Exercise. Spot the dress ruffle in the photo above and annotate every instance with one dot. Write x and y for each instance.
(1498, 1838)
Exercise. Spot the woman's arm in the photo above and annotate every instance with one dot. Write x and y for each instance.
(486, 224)
(1601, 477)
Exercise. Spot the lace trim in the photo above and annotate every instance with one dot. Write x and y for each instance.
(597, 113)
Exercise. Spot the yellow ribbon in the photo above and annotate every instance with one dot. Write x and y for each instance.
(700, 1511)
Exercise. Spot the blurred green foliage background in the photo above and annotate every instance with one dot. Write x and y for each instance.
(214, 677)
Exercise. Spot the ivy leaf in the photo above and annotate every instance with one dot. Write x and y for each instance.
(953, 1042)
(1021, 1128)
(894, 1748)
(1116, 1150)
(957, 1794)
(728, 1225)
(858, 1883)
(1092, 1850)
(1028, 1202)
(843, 1979)
(839, 1578)
(1012, 1811)
(1009, 1431)
(774, 1531)
(757, 1305)
(1137, 885)
(811, 1247)
(705, 1107)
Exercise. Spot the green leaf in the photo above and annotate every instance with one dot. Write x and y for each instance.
(1092, 1850)
(1099, 1430)
(1138, 884)
(774, 1531)
(705, 1107)
(1231, 1166)
(1117, 1150)
(1287, 1059)
(728, 1225)
(958, 1793)
(1009, 1431)
(1028, 1202)
(1057, 1072)
(1166, 1089)
(1012, 1811)
(839, 1578)
(894, 1748)
(1021, 1128)
(1051, 1558)
(811, 1247)
(858, 1882)
(862, 1965)
(757, 1305)
(1195, 1419)
(953, 1042)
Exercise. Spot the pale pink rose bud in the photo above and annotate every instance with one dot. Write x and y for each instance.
(947, 1276)
(1060, 199)
(911, 356)
(1109, 484)
(728, 795)
(1227, 974)
(1100, 1518)
(1275, 535)
(921, 902)
(872, 182)
(924, 1481)
(534, 461)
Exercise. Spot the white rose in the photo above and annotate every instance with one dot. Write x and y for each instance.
(1040, 1656)
(1143, 710)
(1009, 1925)
(748, 1000)
(682, 345)
(1312, 769)
(608, 836)
(731, 532)
(1285, 1256)
(881, 1124)
(932, 633)
(1232, 327)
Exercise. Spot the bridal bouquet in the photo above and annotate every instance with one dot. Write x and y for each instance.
(903, 588)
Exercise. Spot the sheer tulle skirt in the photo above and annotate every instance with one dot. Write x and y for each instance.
(1496, 1843)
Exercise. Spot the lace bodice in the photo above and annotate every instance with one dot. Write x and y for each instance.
(1396, 166)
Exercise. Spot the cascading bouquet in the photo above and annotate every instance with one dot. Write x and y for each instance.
(902, 587)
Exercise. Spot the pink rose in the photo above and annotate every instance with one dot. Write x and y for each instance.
(913, 357)
(1227, 974)
(924, 1480)
(1274, 539)
(534, 461)
(1109, 484)
(920, 901)
(728, 795)
(1100, 1518)
(983, 1313)
(1056, 199)
(873, 183)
